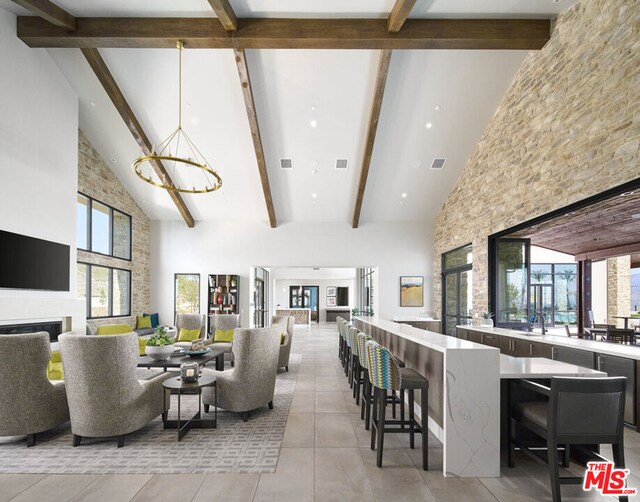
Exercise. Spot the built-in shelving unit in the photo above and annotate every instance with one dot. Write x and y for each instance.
(223, 294)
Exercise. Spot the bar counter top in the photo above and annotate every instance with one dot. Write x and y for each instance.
(612, 349)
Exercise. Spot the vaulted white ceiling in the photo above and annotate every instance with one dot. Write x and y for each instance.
(292, 88)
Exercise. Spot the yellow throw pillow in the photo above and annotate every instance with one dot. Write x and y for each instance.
(222, 335)
(143, 322)
(188, 335)
(114, 329)
(54, 368)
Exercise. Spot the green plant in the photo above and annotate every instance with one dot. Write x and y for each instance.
(487, 315)
(355, 311)
(160, 330)
(159, 340)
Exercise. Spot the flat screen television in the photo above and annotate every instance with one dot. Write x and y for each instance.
(30, 263)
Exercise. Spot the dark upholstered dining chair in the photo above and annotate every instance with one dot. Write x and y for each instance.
(579, 411)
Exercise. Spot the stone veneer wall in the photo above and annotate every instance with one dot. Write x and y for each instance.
(618, 289)
(568, 128)
(98, 181)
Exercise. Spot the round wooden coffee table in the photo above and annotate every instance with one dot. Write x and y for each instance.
(196, 421)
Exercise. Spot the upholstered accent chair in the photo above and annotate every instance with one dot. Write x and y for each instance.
(251, 383)
(285, 324)
(191, 321)
(223, 322)
(31, 403)
(105, 397)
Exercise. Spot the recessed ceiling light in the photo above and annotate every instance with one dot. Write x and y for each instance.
(404, 195)
(314, 195)
(313, 108)
(626, 194)
(92, 103)
(188, 105)
(636, 216)
(113, 159)
(437, 107)
(428, 125)
(313, 123)
(314, 171)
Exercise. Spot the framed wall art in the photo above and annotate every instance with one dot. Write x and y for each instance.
(411, 291)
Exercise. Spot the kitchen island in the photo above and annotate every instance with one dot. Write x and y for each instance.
(464, 389)
(612, 358)
(302, 316)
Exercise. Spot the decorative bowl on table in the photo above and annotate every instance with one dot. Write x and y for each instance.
(159, 352)
(195, 353)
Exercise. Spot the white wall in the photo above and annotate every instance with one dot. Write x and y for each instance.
(281, 289)
(233, 247)
(38, 167)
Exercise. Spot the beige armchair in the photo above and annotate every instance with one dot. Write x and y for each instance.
(224, 322)
(252, 382)
(285, 323)
(30, 402)
(191, 321)
(105, 397)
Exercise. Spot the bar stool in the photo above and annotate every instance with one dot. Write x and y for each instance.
(365, 407)
(386, 375)
(339, 321)
(356, 380)
(347, 354)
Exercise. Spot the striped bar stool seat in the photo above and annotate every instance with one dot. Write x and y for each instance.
(385, 374)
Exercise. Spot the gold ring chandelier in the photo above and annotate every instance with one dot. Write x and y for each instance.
(185, 155)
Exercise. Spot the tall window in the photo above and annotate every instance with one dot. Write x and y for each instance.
(106, 290)
(102, 229)
(457, 288)
(366, 290)
(187, 294)
(635, 290)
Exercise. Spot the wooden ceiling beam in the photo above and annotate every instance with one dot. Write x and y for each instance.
(247, 93)
(378, 95)
(105, 77)
(609, 252)
(225, 14)
(520, 34)
(399, 14)
(50, 12)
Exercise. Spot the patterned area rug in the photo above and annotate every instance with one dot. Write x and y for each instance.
(235, 446)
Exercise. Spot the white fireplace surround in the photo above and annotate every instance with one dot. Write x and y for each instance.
(22, 310)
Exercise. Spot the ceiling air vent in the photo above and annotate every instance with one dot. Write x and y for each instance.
(438, 163)
(342, 163)
(286, 164)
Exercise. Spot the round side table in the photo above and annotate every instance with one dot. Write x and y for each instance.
(196, 421)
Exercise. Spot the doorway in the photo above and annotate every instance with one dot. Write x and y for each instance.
(457, 290)
(305, 297)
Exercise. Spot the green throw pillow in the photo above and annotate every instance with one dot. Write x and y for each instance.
(143, 322)
(188, 335)
(222, 335)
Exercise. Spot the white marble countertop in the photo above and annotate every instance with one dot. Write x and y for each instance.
(429, 339)
(414, 319)
(612, 349)
(541, 367)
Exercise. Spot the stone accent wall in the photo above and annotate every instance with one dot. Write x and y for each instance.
(95, 179)
(618, 289)
(568, 128)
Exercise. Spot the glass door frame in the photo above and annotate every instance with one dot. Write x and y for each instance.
(458, 271)
(493, 278)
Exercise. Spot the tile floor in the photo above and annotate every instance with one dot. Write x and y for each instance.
(325, 456)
